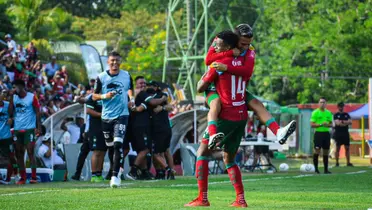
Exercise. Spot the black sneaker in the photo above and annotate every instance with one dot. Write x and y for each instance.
(134, 174)
(170, 174)
(350, 165)
(146, 175)
(317, 171)
(160, 175)
(337, 164)
(75, 178)
(327, 172)
(109, 175)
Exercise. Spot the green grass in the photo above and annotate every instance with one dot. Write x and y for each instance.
(282, 190)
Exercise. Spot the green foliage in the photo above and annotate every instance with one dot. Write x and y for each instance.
(6, 26)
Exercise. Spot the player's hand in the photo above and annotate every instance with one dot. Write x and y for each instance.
(130, 104)
(219, 66)
(158, 109)
(110, 94)
(164, 98)
(236, 52)
(10, 121)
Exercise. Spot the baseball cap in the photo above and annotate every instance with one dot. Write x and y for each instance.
(47, 137)
(341, 104)
(8, 36)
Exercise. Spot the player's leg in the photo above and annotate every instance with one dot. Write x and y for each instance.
(347, 150)
(84, 151)
(317, 147)
(234, 133)
(5, 152)
(265, 117)
(31, 156)
(201, 173)
(20, 153)
(139, 144)
(326, 139)
(338, 148)
(158, 158)
(214, 104)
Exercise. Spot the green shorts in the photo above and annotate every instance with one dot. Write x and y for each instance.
(233, 130)
(210, 95)
(6, 146)
(25, 137)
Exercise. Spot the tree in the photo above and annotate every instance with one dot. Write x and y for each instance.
(6, 26)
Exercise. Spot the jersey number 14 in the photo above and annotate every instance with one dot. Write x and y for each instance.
(237, 88)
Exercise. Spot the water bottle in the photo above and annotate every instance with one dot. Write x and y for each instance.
(260, 137)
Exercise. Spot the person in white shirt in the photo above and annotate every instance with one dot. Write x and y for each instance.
(46, 154)
(73, 128)
(12, 46)
(51, 68)
(21, 52)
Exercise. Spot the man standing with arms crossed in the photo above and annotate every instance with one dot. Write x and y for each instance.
(321, 120)
(112, 88)
(231, 121)
(26, 110)
(342, 136)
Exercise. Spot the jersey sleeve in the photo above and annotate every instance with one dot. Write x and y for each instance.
(90, 103)
(330, 117)
(98, 86)
(313, 116)
(348, 116)
(335, 116)
(247, 69)
(213, 56)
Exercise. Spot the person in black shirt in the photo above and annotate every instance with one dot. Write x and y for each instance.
(341, 134)
(141, 136)
(162, 134)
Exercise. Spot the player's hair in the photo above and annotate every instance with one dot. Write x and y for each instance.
(19, 82)
(244, 30)
(114, 54)
(139, 77)
(322, 97)
(229, 38)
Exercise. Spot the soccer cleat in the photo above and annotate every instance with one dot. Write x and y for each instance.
(33, 181)
(115, 182)
(132, 176)
(93, 179)
(109, 175)
(337, 165)
(283, 133)
(146, 175)
(317, 171)
(21, 181)
(327, 172)
(4, 182)
(197, 202)
(215, 139)
(238, 204)
(75, 178)
(100, 179)
(350, 165)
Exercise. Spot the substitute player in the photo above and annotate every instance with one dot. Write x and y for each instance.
(231, 121)
(27, 122)
(321, 120)
(218, 51)
(112, 88)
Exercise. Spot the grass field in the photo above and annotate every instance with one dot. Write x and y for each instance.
(345, 188)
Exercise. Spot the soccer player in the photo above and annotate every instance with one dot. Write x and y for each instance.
(6, 142)
(342, 136)
(27, 122)
(112, 88)
(321, 120)
(162, 134)
(141, 132)
(218, 51)
(231, 121)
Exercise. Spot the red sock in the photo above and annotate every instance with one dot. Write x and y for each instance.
(22, 172)
(33, 173)
(274, 127)
(236, 180)
(202, 177)
(9, 171)
(212, 128)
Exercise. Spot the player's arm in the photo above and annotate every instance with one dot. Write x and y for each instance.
(313, 120)
(144, 98)
(202, 85)
(206, 80)
(91, 111)
(348, 121)
(213, 56)
(130, 91)
(36, 106)
(97, 92)
(337, 121)
(150, 100)
(245, 71)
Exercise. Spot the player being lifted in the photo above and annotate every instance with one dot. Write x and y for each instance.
(244, 50)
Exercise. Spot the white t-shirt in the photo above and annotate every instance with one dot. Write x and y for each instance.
(12, 44)
(74, 131)
(48, 161)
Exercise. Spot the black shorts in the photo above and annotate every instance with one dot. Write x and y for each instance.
(322, 140)
(141, 138)
(342, 139)
(162, 140)
(96, 139)
(114, 130)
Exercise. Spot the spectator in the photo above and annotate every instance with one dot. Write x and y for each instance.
(45, 153)
(51, 68)
(91, 84)
(10, 67)
(7, 82)
(64, 73)
(21, 52)
(341, 134)
(73, 128)
(12, 46)
(31, 52)
(58, 84)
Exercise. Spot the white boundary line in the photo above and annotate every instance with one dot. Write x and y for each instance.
(30, 192)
